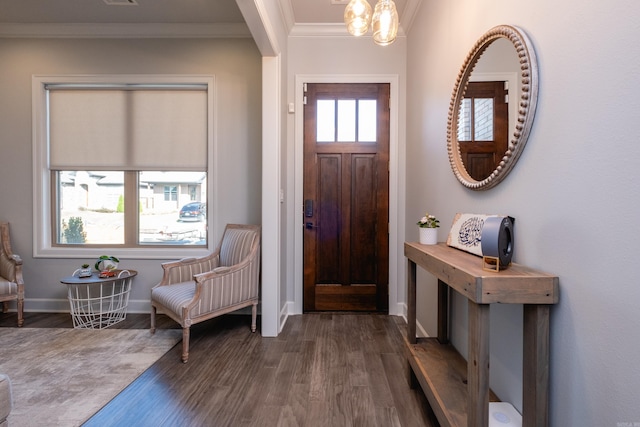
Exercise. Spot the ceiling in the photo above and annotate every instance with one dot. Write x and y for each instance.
(15, 14)
(119, 11)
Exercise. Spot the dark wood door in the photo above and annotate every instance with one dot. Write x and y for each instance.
(483, 124)
(346, 197)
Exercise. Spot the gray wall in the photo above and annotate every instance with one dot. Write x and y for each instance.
(574, 191)
(236, 65)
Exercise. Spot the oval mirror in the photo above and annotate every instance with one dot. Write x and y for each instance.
(492, 107)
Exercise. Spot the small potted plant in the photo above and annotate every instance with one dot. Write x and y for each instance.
(428, 229)
(107, 263)
(84, 271)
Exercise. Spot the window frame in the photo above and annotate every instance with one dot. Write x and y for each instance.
(43, 218)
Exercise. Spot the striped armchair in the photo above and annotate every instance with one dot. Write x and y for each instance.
(196, 289)
(11, 282)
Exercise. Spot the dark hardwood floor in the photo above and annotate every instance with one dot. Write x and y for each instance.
(328, 369)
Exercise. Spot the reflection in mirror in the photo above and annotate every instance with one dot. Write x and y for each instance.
(482, 127)
(492, 107)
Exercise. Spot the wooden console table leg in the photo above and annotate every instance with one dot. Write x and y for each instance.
(443, 312)
(411, 302)
(535, 366)
(478, 366)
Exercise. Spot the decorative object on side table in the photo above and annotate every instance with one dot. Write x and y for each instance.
(497, 242)
(488, 236)
(429, 229)
(106, 263)
(84, 271)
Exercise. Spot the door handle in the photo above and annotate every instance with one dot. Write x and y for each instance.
(309, 225)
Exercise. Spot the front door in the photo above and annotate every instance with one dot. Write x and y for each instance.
(346, 197)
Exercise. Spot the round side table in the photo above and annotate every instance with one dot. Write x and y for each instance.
(97, 303)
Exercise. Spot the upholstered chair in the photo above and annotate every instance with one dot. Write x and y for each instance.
(6, 400)
(11, 282)
(193, 290)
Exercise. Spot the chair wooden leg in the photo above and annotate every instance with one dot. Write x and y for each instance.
(20, 312)
(254, 315)
(185, 345)
(153, 319)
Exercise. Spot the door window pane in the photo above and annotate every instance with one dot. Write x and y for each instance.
(326, 120)
(483, 119)
(347, 120)
(367, 120)
(464, 120)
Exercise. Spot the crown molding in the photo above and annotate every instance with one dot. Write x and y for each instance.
(410, 12)
(124, 31)
(286, 9)
(318, 30)
(327, 30)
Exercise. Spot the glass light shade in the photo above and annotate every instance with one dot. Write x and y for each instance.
(357, 16)
(385, 22)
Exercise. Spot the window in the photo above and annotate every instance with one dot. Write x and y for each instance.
(479, 118)
(118, 159)
(170, 193)
(346, 120)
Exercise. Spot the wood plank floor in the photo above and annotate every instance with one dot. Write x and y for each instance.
(326, 369)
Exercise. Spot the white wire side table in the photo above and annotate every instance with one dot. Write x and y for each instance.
(97, 303)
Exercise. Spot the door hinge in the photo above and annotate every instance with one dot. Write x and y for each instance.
(304, 100)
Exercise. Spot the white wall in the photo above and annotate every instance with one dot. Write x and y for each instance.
(266, 22)
(573, 192)
(236, 64)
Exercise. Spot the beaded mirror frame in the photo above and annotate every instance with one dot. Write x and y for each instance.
(527, 103)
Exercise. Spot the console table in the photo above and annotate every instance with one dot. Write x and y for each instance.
(458, 390)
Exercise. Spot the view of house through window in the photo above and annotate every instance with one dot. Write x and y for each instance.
(172, 207)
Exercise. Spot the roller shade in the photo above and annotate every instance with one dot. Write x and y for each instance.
(127, 129)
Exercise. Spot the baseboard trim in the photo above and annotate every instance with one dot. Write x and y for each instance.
(284, 314)
(420, 331)
(50, 305)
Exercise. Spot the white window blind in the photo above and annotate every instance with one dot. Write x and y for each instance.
(128, 129)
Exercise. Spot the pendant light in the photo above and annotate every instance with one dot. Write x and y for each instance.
(385, 22)
(357, 16)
